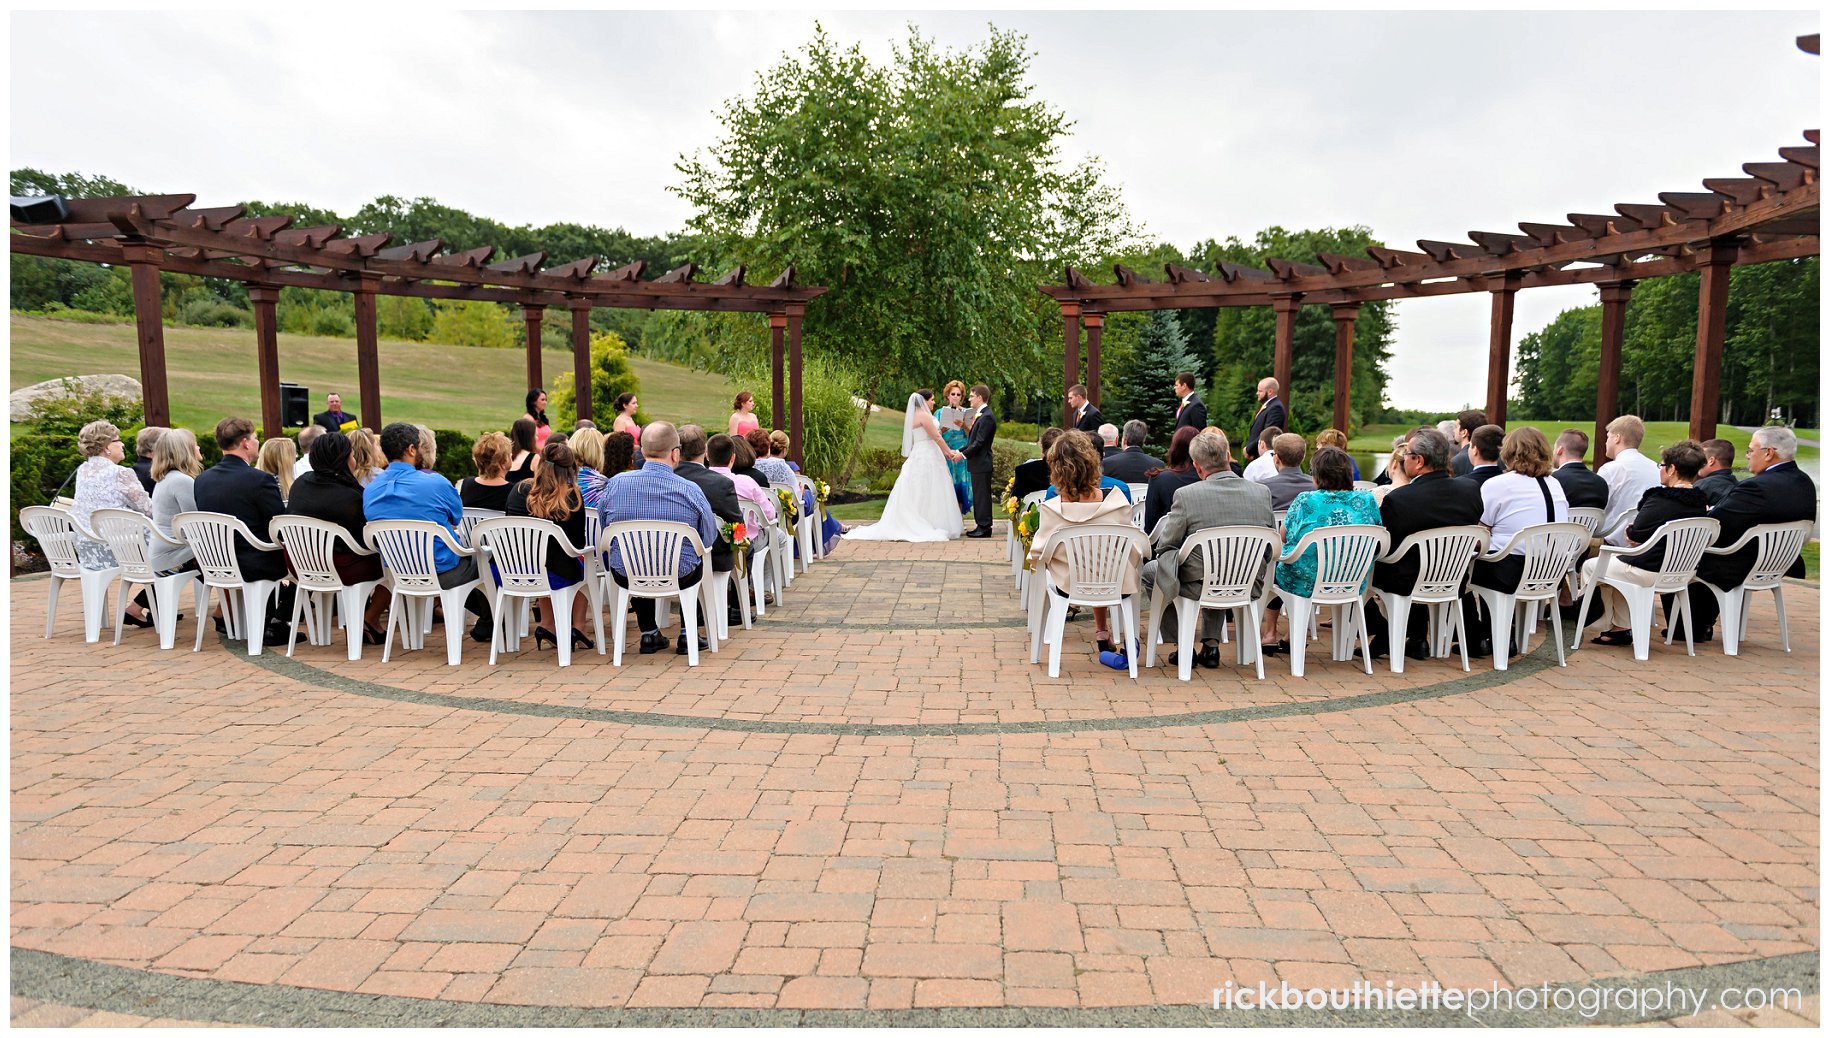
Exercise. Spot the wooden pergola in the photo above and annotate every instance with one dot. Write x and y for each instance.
(1769, 214)
(154, 233)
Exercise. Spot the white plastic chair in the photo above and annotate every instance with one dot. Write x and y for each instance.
(473, 516)
(1100, 559)
(1444, 557)
(650, 553)
(1139, 491)
(1685, 540)
(517, 547)
(1779, 544)
(806, 484)
(211, 536)
(763, 555)
(1588, 517)
(1625, 520)
(1365, 484)
(56, 531)
(311, 545)
(406, 549)
(1233, 559)
(1550, 550)
(1344, 557)
(129, 535)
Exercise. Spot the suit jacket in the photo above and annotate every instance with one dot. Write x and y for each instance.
(1273, 413)
(1431, 501)
(1714, 486)
(1130, 464)
(142, 469)
(332, 421)
(1584, 488)
(1031, 476)
(1285, 485)
(1459, 465)
(978, 441)
(1781, 494)
(1221, 499)
(1089, 420)
(1192, 414)
(1162, 493)
(1481, 475)
(233, 487)
(722, 493)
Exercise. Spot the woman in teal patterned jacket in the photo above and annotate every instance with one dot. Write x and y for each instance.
(1333, 502)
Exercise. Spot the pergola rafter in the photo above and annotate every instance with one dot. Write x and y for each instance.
(153, 233)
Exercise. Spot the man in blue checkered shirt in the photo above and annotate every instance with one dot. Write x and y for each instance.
(653, 493)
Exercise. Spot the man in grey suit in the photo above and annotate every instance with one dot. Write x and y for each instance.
(1288, 449)
(1220, 499)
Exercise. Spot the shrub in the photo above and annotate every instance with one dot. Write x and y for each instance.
(611, 376)
(207, 312)
(454, 460)
(334, 323)
(829, 418)
(1024, 431)
(877, 467)
(1004, 461)
(58, 312)
(40, 464)
(78, 407)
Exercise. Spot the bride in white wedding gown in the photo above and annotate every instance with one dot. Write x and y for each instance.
(922, 506)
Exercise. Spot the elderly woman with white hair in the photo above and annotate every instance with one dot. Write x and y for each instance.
(103, 482)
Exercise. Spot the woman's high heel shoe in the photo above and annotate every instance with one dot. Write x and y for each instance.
(579, 641)
(542, 636)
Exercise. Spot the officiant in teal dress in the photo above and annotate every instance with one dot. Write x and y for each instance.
(952, 420)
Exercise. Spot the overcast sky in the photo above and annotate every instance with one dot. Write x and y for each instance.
(1420, 125)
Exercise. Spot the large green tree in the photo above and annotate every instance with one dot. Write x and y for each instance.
(928, 193)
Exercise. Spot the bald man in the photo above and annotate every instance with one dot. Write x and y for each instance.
(1271, 412)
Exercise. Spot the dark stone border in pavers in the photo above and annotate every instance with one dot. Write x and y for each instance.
(1539, 658)
(62, 980)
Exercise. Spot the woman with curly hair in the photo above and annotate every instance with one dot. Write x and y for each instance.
(1073, 469)
(619, 454)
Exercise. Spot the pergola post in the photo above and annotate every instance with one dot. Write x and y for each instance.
(1715, 261)
(368, 351)
(1070, 357)
(149, 324)
(1096, 324)
(1499, 347)
(778, 324)
(794, 382)
(1285, 307)
(267, 355)
(533, 314)
(1614, 296)
(581, 355)
(1344, 316)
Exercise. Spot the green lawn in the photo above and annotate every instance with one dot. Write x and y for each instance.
(212, 373)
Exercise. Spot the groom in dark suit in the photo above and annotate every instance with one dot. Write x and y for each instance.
(978, 459)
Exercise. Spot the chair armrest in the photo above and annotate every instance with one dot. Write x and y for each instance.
(1739, 544)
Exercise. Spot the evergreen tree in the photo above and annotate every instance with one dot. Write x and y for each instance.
(1146, 390)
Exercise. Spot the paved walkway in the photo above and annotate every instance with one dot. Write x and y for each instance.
(874, 802)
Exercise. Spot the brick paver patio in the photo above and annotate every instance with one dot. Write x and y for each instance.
(874, 802)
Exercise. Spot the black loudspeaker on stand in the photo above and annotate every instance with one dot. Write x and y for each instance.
(295, 405)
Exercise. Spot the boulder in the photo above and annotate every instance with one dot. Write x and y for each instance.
(24, 401)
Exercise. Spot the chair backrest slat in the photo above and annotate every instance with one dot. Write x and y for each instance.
(1550, 549)
(1233, 561)
(1344, 557)
(649, 552)
(311, 546)
(211, 536)
(1444, 558)
(1684, 540)
(518, 550)
(55, 531)
(1779, 544)
(1099, 558)
(1588, 517)
(406, 549)
(473, 516)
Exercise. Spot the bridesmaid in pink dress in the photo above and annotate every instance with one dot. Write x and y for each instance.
(536, 413)
(744, 418)
(626, 405)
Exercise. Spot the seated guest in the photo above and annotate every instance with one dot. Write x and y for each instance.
(1775, 492)
(779, 443)
(404, 491)
(1129, 462)
(1523, 495)
(1032, 475)
(1332, 502)
(143, 444)
(743, 462)
(103, 482)
(428, 449)
(1105, 483)
(719, 488)
(1629, 474)
(1108, 438)
(553, 495)
(767, 463)
(1393, 474)
(1718, 474)
(1216, 498)
(365, 458)
(307, 436)
(1290, 481)
(619, 454)
(1676, 497)
(488, 489)
(1073, 465)
(655, 492)
(1465, 424)
(830, 529)
(329, 491)
(723, 456)
(278, 458)
(1336, 438)
(1423, 497)
(176, 462)
(588, 447)
(234, 486)
(1583, 488)
(1484, 453)
(524, 434)
(1264, 462)
(1177, 472)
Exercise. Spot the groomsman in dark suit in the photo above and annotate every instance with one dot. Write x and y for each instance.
(1086, 417)
(1715, 481)
(1484, 454)
(1271, 412)
(1777, 492)
(979, 458)
(1583, 488)
(1190, 411)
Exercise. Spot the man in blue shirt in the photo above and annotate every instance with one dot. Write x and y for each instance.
(655, 492)
(404, 491)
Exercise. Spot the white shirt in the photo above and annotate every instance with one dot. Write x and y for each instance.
(1262, 467)
(1630, 474)
(301, 466)
(1511, 501)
